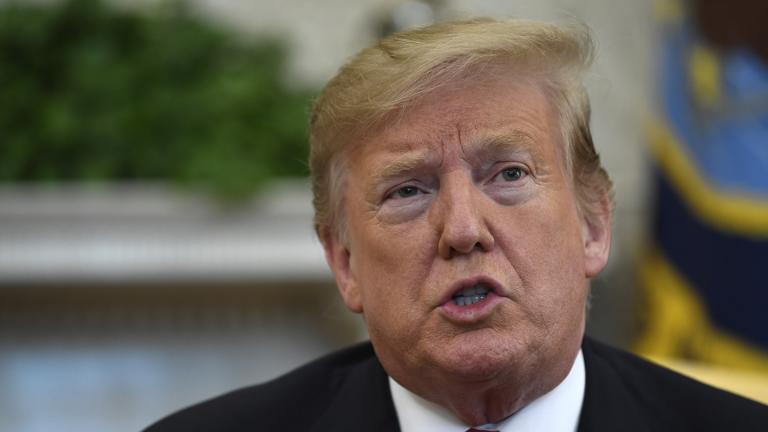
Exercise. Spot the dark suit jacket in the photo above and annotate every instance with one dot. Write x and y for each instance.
(348, 391)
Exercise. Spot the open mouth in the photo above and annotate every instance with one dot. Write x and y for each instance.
(471, 295)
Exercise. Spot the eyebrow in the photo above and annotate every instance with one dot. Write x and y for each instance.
(515, 141)
(408, 163)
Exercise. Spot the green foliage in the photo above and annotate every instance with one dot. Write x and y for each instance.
(88, 92)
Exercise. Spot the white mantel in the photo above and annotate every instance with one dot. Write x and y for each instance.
(136, 233)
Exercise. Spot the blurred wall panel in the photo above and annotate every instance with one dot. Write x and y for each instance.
(118, 305)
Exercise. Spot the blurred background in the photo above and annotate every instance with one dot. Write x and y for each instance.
(156, 245)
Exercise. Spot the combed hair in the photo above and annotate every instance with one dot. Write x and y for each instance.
(385, 79)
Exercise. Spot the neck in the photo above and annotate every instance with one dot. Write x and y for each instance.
(491, 400)
(489, 404)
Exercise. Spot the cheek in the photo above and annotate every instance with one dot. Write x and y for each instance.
(391, 264)
(391, 275)
(547, 254)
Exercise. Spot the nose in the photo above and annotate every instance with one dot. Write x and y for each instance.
(460, 220)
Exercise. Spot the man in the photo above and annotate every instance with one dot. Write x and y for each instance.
(463, 211)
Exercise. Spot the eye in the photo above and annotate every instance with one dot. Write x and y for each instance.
(511, 174)
(406, 191)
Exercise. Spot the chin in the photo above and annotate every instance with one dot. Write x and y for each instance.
(480, 356)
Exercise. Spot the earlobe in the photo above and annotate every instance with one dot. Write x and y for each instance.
(597, 243)
(338, 256)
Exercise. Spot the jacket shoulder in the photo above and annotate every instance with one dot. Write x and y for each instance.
(295, 399)
(664, 399)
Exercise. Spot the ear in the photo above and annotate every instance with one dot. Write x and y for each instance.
(597, 240)
(338, 257)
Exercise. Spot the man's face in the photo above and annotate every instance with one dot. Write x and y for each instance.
(465, 251)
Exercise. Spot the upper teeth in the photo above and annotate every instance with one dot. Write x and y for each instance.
(470, 295)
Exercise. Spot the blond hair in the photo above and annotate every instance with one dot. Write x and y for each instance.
(402, 68)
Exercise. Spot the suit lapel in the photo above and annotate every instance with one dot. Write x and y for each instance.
(362, 403)
(609, 405)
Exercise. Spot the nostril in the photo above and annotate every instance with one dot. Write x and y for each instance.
(462, 250)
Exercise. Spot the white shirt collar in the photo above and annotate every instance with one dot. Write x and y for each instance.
(420, 415)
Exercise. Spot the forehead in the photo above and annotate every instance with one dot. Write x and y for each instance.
(474, 115)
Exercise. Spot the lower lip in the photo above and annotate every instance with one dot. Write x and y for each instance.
(471, 313)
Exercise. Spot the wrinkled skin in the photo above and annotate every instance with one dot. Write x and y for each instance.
(469, 183)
